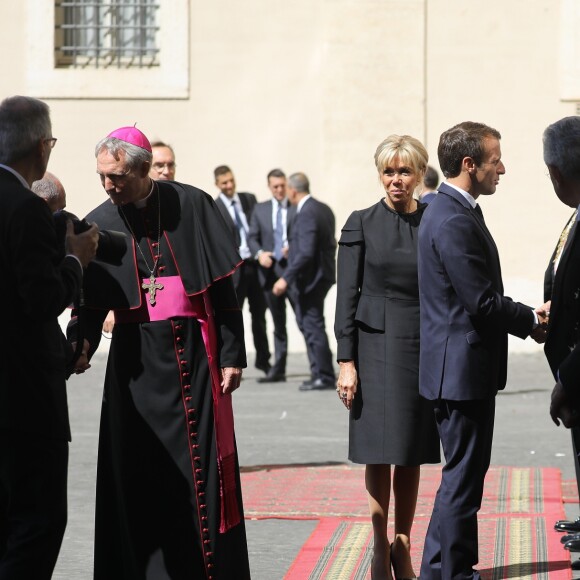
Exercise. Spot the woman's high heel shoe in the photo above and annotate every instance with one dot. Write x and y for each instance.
(394, 566)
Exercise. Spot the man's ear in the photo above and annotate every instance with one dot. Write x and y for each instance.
(145, 168)
(555, 174)
(468, 165)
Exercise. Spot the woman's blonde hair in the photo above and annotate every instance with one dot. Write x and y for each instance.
(408, 150)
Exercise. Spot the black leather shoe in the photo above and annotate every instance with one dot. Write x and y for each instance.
(264, 367)
(568, 526)
(316, 385)
(576, 565)
(272, 378)
(567, 537)
(572, 545)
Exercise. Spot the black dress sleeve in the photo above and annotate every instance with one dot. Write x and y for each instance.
(350, 269)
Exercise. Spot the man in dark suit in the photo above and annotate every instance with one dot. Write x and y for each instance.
(561, 287)
(236, 209)
(309, 275)
(430, 182)
(42, 279)
(465, 320)
(268, 242)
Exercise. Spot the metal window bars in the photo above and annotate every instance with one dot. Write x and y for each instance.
(99, 34)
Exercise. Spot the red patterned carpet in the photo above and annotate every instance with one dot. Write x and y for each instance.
(516, 520)
(569, 491)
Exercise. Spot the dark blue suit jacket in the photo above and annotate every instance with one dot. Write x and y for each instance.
(465, 318)
(562, 346)
(261, 237)
(248, 202)
(312, 249)
(41, 285)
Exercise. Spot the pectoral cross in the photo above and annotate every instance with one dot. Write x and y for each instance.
(152, 288)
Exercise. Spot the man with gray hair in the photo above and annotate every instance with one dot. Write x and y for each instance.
(168, 489)
(35, 355)
(51, 190)
(309, 275)
(561, 282)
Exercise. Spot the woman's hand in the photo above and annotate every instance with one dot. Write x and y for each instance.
(347, 382)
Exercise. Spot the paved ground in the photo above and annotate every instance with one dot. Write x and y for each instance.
(277, 424)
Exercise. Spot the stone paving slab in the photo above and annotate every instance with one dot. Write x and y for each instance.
(277, 424)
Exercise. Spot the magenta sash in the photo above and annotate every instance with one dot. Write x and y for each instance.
(173, 302)
(170, 302)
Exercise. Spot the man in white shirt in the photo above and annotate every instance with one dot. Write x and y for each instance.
(236, 209)
(268, 243)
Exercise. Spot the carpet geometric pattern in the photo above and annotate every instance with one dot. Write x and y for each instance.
(569, 491)
(341, 549)
(311, 492)
(516, 536)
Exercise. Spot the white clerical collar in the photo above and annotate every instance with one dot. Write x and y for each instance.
(302, 202)
(141, 203)
(16, 174)
(470, 199)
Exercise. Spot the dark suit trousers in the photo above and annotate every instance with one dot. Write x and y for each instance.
(309, 309)
(466, 432)
(33, 505)
(247, 285)
(277, 307)
(575, 433)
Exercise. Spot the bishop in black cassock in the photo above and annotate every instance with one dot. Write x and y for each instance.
(168, 489)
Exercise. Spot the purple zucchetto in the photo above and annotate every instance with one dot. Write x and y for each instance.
(133, 136)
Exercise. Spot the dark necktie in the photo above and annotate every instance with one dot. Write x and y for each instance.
(238, 219)
(477, 209)
(278, 234)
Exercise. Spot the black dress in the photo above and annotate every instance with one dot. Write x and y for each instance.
(377, 326)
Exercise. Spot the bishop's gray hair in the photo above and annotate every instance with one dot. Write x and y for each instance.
(135, 156)
(562, 147)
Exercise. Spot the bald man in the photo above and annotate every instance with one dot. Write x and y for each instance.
(51, 190)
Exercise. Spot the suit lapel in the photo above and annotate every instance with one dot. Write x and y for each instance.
(474, 215)
(564, 259)
(478, 220)
(266, 217)
(227, 217)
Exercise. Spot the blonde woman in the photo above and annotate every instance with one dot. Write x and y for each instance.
(377, 331)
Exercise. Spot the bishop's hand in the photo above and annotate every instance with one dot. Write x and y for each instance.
(231, 379)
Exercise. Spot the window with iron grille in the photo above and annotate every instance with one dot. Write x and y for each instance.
(103, 34)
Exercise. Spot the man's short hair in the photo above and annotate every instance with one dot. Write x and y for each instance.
(221, 170)
(463, 140)
(24, 122)
(45, 188)
(162, 144)
(134, 156)
(562, 147)
(299, 182)
(431, 179)
(276, 173)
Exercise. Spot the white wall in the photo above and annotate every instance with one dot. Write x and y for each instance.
(315, 85)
